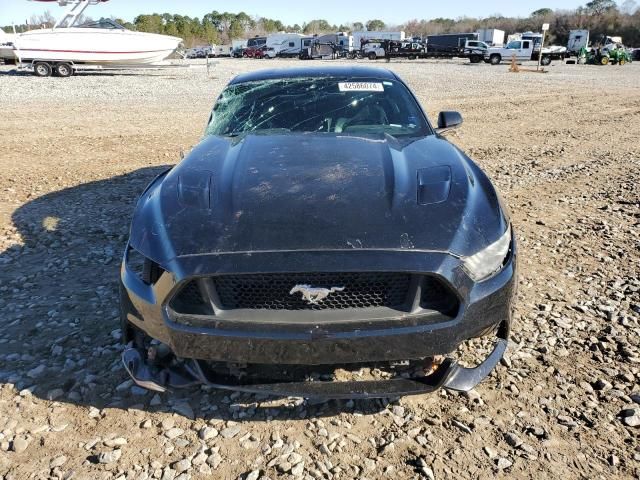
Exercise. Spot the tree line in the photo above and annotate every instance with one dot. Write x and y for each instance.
(599, 16)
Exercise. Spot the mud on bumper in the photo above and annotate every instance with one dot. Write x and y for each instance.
(484, 307)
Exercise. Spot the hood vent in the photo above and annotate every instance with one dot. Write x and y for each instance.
(434, 184)
(195, 189)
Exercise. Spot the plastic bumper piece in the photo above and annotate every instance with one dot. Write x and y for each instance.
(449, 375)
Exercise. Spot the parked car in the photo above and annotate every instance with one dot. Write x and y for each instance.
(320, 227)
(261, 51)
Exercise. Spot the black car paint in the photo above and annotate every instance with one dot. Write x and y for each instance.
(301, 202)
(316, 192)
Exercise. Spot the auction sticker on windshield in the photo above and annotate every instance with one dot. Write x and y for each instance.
(360, 87)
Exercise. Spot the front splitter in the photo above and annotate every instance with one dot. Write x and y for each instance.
(449, 375)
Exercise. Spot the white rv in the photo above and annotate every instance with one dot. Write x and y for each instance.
(285, 44)
(359, 37)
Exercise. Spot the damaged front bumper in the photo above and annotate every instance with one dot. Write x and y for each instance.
(448, 374)
(484, 307)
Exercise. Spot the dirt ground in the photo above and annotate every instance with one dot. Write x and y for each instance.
(563, 149)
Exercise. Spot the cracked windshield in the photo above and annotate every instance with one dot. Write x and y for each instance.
(317, 105)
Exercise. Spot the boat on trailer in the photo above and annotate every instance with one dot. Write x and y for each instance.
(67, 45)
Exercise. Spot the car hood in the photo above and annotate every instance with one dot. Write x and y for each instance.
(266, 192)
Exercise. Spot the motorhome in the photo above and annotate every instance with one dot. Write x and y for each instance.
(285, 44)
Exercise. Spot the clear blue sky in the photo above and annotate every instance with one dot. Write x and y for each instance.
(296, 11)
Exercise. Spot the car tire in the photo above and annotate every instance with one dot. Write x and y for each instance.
(42, 69)
(372, 56)
(64, 70)
(495, 59)
(545, 60)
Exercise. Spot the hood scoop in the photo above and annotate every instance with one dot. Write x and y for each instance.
(434, 184)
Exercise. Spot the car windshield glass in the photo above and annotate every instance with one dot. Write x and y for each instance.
(329, 105)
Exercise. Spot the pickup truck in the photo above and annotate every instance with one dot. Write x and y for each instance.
(523, 50)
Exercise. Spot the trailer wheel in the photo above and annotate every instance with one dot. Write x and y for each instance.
(495, 59)
(545, 60)
(372, 56)
(42, 69)
(64, 70)
(411, 57)
(475, 58)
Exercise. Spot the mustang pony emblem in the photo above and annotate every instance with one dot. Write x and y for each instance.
(314, 295)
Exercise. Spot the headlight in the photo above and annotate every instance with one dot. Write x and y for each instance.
(486, 262)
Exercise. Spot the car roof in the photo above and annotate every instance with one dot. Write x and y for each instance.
(350, 72)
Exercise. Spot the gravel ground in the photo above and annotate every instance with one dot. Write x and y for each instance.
(565, 403)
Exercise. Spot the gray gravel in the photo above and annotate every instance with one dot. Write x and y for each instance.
(562, 149)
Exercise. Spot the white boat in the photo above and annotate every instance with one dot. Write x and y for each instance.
(6, 45)
(100, 43)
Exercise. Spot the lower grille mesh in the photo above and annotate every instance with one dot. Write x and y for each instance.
(273, 291)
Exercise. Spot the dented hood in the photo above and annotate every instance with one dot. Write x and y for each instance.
(266, 192)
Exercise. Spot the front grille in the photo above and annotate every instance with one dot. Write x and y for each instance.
(273, 291)
(348, 290)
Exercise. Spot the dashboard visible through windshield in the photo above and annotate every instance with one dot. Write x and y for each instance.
(329, 105)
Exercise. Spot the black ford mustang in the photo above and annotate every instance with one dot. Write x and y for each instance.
(322, 226)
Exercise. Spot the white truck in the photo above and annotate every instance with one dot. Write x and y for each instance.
(373, 50)
(523, 50)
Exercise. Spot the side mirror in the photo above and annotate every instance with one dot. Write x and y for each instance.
(448, 120)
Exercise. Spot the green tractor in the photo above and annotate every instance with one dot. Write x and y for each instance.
(613, 54)
(619, 55)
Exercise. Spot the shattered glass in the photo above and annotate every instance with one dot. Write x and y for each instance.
(329, 105)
